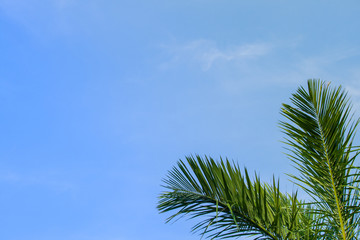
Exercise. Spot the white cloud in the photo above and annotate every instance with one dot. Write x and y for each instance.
(321, 65)
(328, 67)
(52, 180)
(354, 93)
(206, 53)
(238, 68)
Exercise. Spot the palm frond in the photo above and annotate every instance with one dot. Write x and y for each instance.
(321, 133)
(231, 204)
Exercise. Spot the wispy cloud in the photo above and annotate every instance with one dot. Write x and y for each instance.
(37, 16)
(321, 64)
(353, 90)
(207, 53)
(334, 66)
(51, 17)
(268, 63)
(52, 180)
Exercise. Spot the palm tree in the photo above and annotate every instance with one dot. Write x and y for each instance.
(319, 132)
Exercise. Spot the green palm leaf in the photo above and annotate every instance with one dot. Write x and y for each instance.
(231, 204)
(321, 135)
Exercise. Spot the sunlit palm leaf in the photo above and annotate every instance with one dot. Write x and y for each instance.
(321, 134)
(232, 204)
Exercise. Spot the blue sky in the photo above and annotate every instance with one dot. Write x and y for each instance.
(99, 99)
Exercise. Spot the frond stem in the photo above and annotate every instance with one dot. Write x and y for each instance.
(331, 175)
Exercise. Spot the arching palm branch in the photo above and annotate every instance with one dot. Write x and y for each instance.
(320, 134)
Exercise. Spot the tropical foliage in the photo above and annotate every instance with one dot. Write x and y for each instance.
(320, 131)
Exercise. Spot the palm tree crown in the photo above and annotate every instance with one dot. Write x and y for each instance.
(319, 132)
